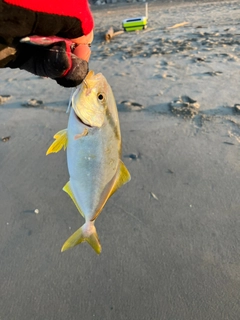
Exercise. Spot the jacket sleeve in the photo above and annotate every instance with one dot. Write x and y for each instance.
(78, 9)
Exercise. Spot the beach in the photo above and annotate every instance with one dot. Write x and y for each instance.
(171, 236)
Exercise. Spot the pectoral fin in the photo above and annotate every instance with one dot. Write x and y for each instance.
(80, 135)
(68, 190)
(60, 142)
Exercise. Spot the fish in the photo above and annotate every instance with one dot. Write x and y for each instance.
(93, 143)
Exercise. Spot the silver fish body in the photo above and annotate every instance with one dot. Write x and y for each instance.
(92, 162)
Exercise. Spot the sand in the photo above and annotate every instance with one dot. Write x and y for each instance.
(170, 237)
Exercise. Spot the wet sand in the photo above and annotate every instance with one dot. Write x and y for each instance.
(171, 236)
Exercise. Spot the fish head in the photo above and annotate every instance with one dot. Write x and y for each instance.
(90, 100)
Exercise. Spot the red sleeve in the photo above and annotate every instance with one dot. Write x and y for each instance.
(73, 8)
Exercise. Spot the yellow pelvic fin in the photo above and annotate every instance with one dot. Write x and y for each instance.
(122, 176)
(68, 190)
(86, 233)
(60, 142)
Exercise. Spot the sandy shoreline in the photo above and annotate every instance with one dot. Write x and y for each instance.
(170, 237)
(152, 3)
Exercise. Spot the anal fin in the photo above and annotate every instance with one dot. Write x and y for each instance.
(68, 190)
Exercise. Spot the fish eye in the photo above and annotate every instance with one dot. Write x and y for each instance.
(100, 97)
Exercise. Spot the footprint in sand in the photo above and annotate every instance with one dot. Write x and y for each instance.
(132, 106)
(213, 73)
(185, 106)
(4, 98)
(32, 103)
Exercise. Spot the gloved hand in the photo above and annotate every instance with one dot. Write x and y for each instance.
(61, 60)
(43, 18)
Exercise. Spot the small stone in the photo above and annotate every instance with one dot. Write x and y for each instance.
(237, 107)
(153, 195)
(133, 156)
(36, 211)
(5, 139)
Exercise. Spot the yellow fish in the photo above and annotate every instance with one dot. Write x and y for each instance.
(93, 142)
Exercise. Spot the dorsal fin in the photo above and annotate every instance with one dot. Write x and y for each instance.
(121, 177)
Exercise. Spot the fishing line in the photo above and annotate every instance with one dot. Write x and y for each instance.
(85, 82)
(70, 101)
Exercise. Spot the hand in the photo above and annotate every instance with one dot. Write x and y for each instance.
(57, 58)
(51, 60)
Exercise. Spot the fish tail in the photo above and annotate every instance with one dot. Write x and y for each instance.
(86, 233)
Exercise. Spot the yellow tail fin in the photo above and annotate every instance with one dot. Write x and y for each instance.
(86, 233)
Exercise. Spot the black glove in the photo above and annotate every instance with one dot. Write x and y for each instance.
(51, 61)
